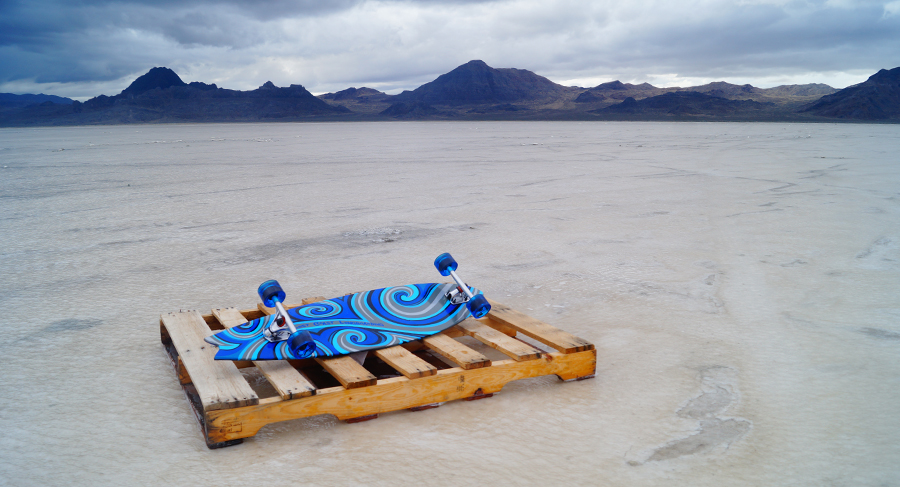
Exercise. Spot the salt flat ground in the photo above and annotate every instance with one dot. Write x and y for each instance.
(740, 282)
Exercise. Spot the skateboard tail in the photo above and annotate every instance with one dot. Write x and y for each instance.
(222, 344)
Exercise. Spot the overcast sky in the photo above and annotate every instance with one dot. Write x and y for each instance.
(83, 48)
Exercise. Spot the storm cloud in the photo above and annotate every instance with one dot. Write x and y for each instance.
(85, 48)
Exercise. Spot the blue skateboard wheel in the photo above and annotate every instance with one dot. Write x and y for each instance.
(270, 292)
(479, 306)
(445, 263)
(301, 345)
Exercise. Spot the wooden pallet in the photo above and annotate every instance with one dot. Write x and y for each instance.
(417, 375)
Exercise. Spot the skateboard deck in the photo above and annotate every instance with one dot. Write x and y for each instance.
(356, 322)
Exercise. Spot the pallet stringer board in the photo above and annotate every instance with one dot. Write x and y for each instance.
(397, 393)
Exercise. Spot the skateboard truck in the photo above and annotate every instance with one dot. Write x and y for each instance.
(457, 297)
(300, 342)
(478, 305)
(277, 331)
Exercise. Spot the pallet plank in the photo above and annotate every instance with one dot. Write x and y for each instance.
(284, 378)
(405, 362)
(538, 330)
(456, 352)
(350, 374)
(219, 384)
(516, 349)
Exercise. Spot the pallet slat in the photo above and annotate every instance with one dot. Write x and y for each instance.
(219, 384)
(284, 378)
(350, 374)
(405, 362)
(456, 352)
(547, 334)
(516, 349)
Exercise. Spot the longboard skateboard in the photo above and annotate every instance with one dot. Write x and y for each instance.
(357, 322)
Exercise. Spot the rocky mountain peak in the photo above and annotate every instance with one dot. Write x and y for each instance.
(160, 77)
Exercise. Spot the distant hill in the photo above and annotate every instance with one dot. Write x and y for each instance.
(476, 83)
(684, 104)
(784, 94)
(412, 110)
(613, 92)
(365, 102)
(11, 100)
(613, 86)
(160, 95)
(361, 95)
(728, 90)
(877, 98)
(616, 91)
(620, 86)
(156, 78)
(589, 97)
(811, 89)
(201, 102)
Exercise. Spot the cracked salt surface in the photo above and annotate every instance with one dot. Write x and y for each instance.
(742, 293)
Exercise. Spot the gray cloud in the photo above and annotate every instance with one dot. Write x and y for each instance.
(78, 48)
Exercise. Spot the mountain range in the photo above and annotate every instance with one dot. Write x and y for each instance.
(11, 100)
(472, 91)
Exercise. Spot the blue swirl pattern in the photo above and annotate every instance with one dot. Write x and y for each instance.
(363, 321)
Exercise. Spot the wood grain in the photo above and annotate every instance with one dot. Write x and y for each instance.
(538, 330)
(396, 393)
(516, 349)
(405, 362)
(219, 383)
(456, 352)
(349, 373)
